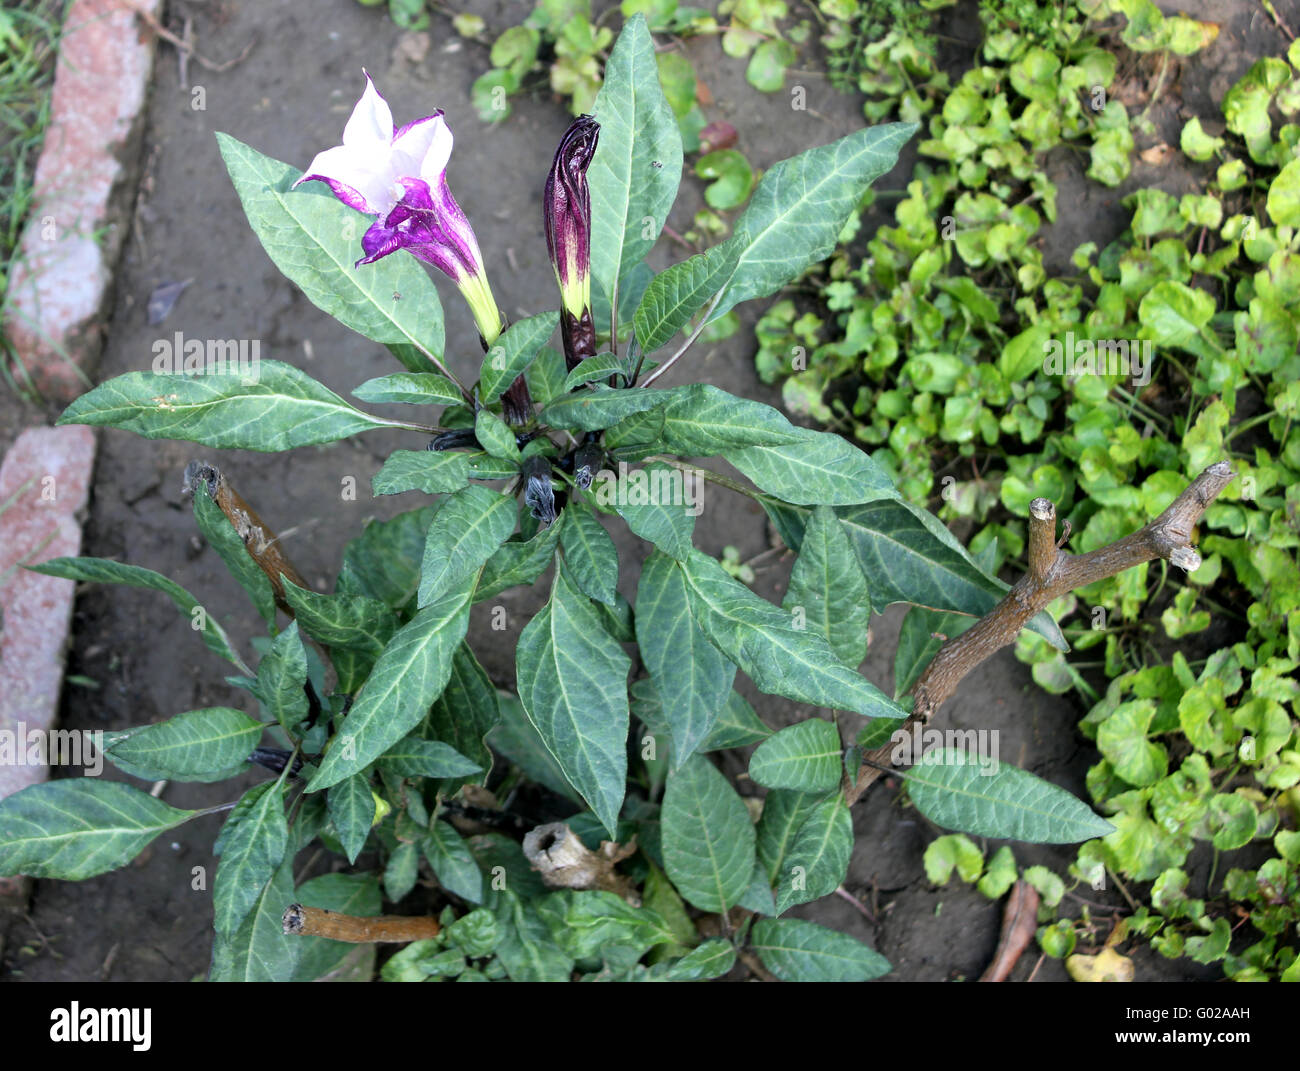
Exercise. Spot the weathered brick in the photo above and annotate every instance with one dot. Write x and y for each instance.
(83, 188)
(45, 481)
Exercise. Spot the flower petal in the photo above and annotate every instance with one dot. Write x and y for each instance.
(423, 147)
(354, 179)
(370, 128)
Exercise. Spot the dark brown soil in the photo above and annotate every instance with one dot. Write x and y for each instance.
(289, 99)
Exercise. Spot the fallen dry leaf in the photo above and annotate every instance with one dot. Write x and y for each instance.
(1106, 966)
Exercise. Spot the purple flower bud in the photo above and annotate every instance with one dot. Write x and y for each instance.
(566, 214)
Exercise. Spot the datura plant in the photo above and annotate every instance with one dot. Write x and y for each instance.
(388, 742)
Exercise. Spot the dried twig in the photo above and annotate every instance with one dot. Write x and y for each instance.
(355, 929)
(1019, 922)
(185, 45)
(1052, 573)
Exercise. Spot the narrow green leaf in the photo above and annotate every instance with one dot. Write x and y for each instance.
(199, 745)
(355, 625)
(409, 675)
(282, 679)
(796, 214)
(352, 810)
(589, 553)
(712, 959)
(593, 369)
(315, 241)
(572, 678)
(511, 354)
(907, 555)
(414, 757)
(466, 530)
(251, 845)
(520, 561)
(75, 828)
(278, 409)
(708, 841)
(601, 407)
(784, 813)
(434, 472)
(979, 795)
(260, 950)
(518, 740)
(827, 585)
(384, 560)
(223, 538)
(464, 714)
(804, 757)
(818, 468)
(495, 436)
(700, 420)
(692, 677)
(452, 862)
(759, 639)
(545, 376)
(678, 293)
(103, 571)
(634, 174)
(412, 388)
(402, 871)
(799, 951)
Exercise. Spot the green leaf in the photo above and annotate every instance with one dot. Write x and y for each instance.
(349, 894)
(804, 757)
(260, 950)
(383, 562)
(526, 949)
(700, 420)
(799, 951)
(464, 714)
(356, 628)
(712, 959)
(199, 745)
(591, 369)
(513, 351)
(1284, 196)
(1122, 738)
(1173, 313)
(103, 571)
(495, 436)
(223, 538)
(434, 472)
(601, 407)
(634, 174)
(520, 561)
(414, 757)
(545, 376)
(784, 813)
(467, 529)
(708, 841)
(75, 828)
(278, 409)
(908, 556)
(780, 660)
(517, 739)
(799, 208)
(452, 862)
(730, 178)
(766, 70)
(413, 388)
(818, 468)
(251, 845)
(828, 585)
(954, 790)
(737, 726)
(352, 810)
(572, 679)
(589, 553)
(315, 241)
(665, 513)
(692, 678)
(922, 634)
(409, 675)
(818, 860)
(282, 679)
(678, 293)
(586, 924)
(402, 871)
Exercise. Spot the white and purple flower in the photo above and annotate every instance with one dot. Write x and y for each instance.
(400, 176)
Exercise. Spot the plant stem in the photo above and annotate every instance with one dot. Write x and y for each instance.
(688, 343)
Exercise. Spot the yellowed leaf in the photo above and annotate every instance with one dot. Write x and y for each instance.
(1106, 966)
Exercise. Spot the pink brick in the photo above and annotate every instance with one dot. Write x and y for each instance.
(47, 475)
(83, 186)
